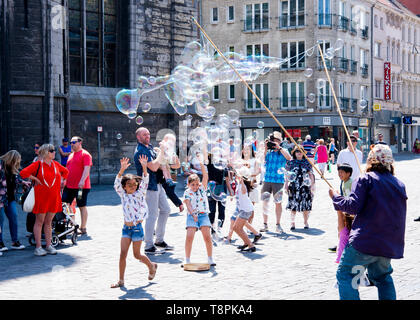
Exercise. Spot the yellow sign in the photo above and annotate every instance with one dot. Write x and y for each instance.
(376, 107)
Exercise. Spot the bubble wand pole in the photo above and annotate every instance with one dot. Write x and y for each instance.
(259, 100)
(338, 108)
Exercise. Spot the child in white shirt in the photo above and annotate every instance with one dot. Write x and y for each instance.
(132, 191)
(195, 199)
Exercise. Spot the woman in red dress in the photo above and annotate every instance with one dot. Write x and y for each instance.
(47, 175)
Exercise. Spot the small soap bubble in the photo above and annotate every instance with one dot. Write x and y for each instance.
(310, 52)
(132, 115)
(308, 72)
(233, 114)
(265, 196)
(139, 120)
(151, 80)
(146, 108)
(311, 97)
(119, 136)
(127, 101)
(260, 124)
(320, 84)
(338, 44)
(363, 103)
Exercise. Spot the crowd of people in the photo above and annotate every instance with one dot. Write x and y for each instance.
(363, 203)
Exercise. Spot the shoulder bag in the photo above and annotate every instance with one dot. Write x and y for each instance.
(28, 198)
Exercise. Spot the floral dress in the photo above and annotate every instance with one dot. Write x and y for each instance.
(299, 174)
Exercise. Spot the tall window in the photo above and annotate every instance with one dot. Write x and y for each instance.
(292, 95)
(232, 92)
(214, 15)
(257, 50)
(95, 63)
(324, 96)
(231, 14)
(377, 49)
(324, 12)
(292, 13)
(377, 89)
(216, 96)
(296, 52)
(256, 16)
(261, 90)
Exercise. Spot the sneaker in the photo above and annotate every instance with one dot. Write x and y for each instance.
(163, 245)
(40, 252)
(3, 247)
(417, 219)
(211, 262)
(242, 247)
(265, 228)
(153, 250)
(51, 250)
(257, 237)
(333, 249)
(292, 227)
(279, 229)
(306, 226)
(17, 246)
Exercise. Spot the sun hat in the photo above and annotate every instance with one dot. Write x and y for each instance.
(382, 154)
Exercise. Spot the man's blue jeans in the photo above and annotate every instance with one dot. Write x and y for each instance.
(11, 213)
(351, 268)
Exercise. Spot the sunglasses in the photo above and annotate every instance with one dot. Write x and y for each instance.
(51, 150)
(36, 148)
(353, 140)
(73, 142)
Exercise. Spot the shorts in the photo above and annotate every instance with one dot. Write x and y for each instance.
(271, 188)
(69, 195)
(322, 165)
(203, 221)
(135, 233)
(244, 215)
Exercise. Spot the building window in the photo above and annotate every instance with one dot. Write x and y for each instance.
(324, 13)
(231, 14)
(377, 89)
(256, 16)
(387, 50)
(95, 63)
(231, 48)
(296, 52)
(262, 92)
(375, 20)
(292, 95)
(26, 14)
(324, 96)
(381, 23)
(292, 13)
(214, 15)
(232, 92)
(254, 51)
(216, 93)
(377, 49)
(403, 33)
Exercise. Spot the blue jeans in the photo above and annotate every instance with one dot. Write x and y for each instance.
(11, 213)
(351, 269)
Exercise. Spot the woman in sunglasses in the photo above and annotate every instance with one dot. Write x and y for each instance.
(47, 174)
(36, 150)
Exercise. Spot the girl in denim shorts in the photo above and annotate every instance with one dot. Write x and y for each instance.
(195, 198)
(132, 191)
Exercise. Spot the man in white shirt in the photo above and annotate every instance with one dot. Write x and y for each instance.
(347, 156)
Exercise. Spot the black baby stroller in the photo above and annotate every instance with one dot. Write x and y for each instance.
(63, 227)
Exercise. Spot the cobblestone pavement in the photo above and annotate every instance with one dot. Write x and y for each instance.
(295, 265)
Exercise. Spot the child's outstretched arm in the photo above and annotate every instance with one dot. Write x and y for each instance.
(125, 163)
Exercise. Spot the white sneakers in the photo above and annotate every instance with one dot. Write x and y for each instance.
(279, 229)
(43, 252)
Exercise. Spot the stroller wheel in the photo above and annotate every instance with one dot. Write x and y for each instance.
(74, 238)
(31, 239)
(55, 241)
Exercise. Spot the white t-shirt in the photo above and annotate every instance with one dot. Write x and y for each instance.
(346, 156)
(243, 203)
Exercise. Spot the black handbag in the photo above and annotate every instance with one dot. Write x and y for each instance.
(25, 194)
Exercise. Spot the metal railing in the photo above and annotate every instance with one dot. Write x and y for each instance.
(353, 105)
(292, 103)
(252, 105)
(344, 104)
(325, 102)
(343, 64)
(343, 23)
(328, 62)
(292, 21)
(353, 29)
(252, 25)
(364, 34)
(353, 66)
(365, 70)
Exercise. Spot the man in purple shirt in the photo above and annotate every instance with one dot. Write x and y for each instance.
(379, 203)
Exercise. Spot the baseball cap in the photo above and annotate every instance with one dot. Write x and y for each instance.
(65, 140)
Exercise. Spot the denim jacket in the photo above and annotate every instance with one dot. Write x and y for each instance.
(3, 185)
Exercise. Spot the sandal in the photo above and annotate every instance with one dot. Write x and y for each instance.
(119, 284)
(82, 231)
(152, 275)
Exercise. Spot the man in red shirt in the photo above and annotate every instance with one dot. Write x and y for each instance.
(78, 164)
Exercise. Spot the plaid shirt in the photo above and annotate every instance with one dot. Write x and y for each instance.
(274, 161)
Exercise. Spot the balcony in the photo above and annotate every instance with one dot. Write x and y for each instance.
(364, 35)
(292, 103)
(251, 25)
(343, 23)
(328, 62)
(343, 64)
(344, 104)
(292, 21)
(294, 64)
(365, 70)
(353, 105)
(353, 30)
(353, 67)
(325, 20)
(253, 105)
